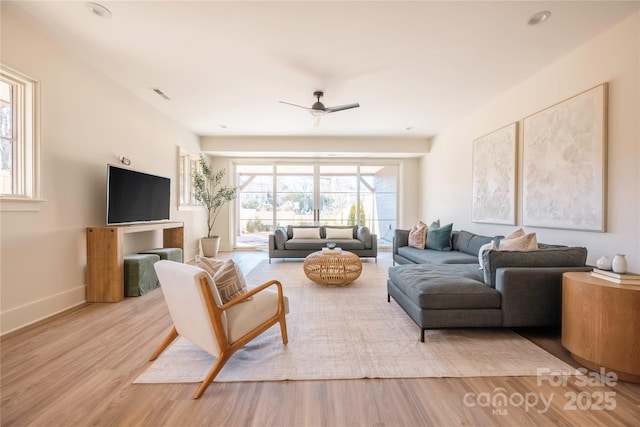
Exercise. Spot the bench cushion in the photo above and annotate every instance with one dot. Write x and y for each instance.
(318, 244)
(445, 287)
(323, 229)
(431, 256)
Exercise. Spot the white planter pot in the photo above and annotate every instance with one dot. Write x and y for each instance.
(210, 246)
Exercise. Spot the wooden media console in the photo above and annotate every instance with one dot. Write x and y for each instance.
(105, 256)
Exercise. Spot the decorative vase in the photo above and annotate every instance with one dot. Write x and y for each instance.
(619, 264)
(604, 263)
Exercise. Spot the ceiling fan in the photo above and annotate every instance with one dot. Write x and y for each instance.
(318, 109)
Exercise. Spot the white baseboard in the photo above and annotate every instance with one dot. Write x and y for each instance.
(36, 311)
(190, 255)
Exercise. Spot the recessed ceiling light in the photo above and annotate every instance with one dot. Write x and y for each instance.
(538, 18)
(99, 10)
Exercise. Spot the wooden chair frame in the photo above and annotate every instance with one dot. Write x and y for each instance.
(227, 349)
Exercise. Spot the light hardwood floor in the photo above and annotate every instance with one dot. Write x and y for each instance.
(78, 368)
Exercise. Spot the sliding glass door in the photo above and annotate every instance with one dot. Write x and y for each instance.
(338, 194)
(379, 200)
(295, 195)
(278, 195)
(254, 213)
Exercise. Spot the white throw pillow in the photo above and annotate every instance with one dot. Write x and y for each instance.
(528, 242)
(486, 247)
(306, 233)
(518, 233)
(418, 236)
(339, 233)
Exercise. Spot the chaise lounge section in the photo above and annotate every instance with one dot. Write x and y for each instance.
(447, 289)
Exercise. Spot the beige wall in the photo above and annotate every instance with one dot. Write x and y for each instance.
(87, 122)
(611, 57)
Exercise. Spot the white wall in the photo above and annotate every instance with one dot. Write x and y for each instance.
(611, 57)
(355, 147)
(87, 121)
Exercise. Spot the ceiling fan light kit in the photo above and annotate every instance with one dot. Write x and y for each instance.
(538, 18)
(318, 109)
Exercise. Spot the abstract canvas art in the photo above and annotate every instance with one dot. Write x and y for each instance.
(494, 176)
(564, 164)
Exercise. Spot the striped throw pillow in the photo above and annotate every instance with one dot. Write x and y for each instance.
(210, 265)
(230, 281)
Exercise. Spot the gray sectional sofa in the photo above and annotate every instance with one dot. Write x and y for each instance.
(447, 289)
(283, 244)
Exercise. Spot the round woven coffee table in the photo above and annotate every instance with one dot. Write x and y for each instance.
(333, 268)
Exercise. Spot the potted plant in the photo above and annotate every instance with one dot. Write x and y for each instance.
(209, 191)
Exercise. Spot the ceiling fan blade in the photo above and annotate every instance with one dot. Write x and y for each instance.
(341, 107)
(295, 105)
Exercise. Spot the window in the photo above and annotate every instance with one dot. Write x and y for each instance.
(273, 195)
(6, 137)
(19, 141)
(187, 164)
(255, 207)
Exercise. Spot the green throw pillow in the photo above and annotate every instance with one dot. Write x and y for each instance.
(439, 238)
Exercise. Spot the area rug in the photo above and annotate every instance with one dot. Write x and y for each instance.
(353, 332)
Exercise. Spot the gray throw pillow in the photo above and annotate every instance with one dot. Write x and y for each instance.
(281, 237)
(468, 242)
(363, 234)
(439, 238)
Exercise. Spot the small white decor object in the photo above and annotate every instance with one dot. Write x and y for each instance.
(604, 263)
(619, 264)
(334, 251)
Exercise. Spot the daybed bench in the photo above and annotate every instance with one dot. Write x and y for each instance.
(300, 241)
(447, 289)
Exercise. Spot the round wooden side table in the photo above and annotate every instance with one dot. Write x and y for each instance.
(332, 268)
(600, 321)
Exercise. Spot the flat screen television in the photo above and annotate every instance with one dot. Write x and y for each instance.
(134, 197)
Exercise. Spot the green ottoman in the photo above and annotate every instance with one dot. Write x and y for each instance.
(139, 274)
(172, 254)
